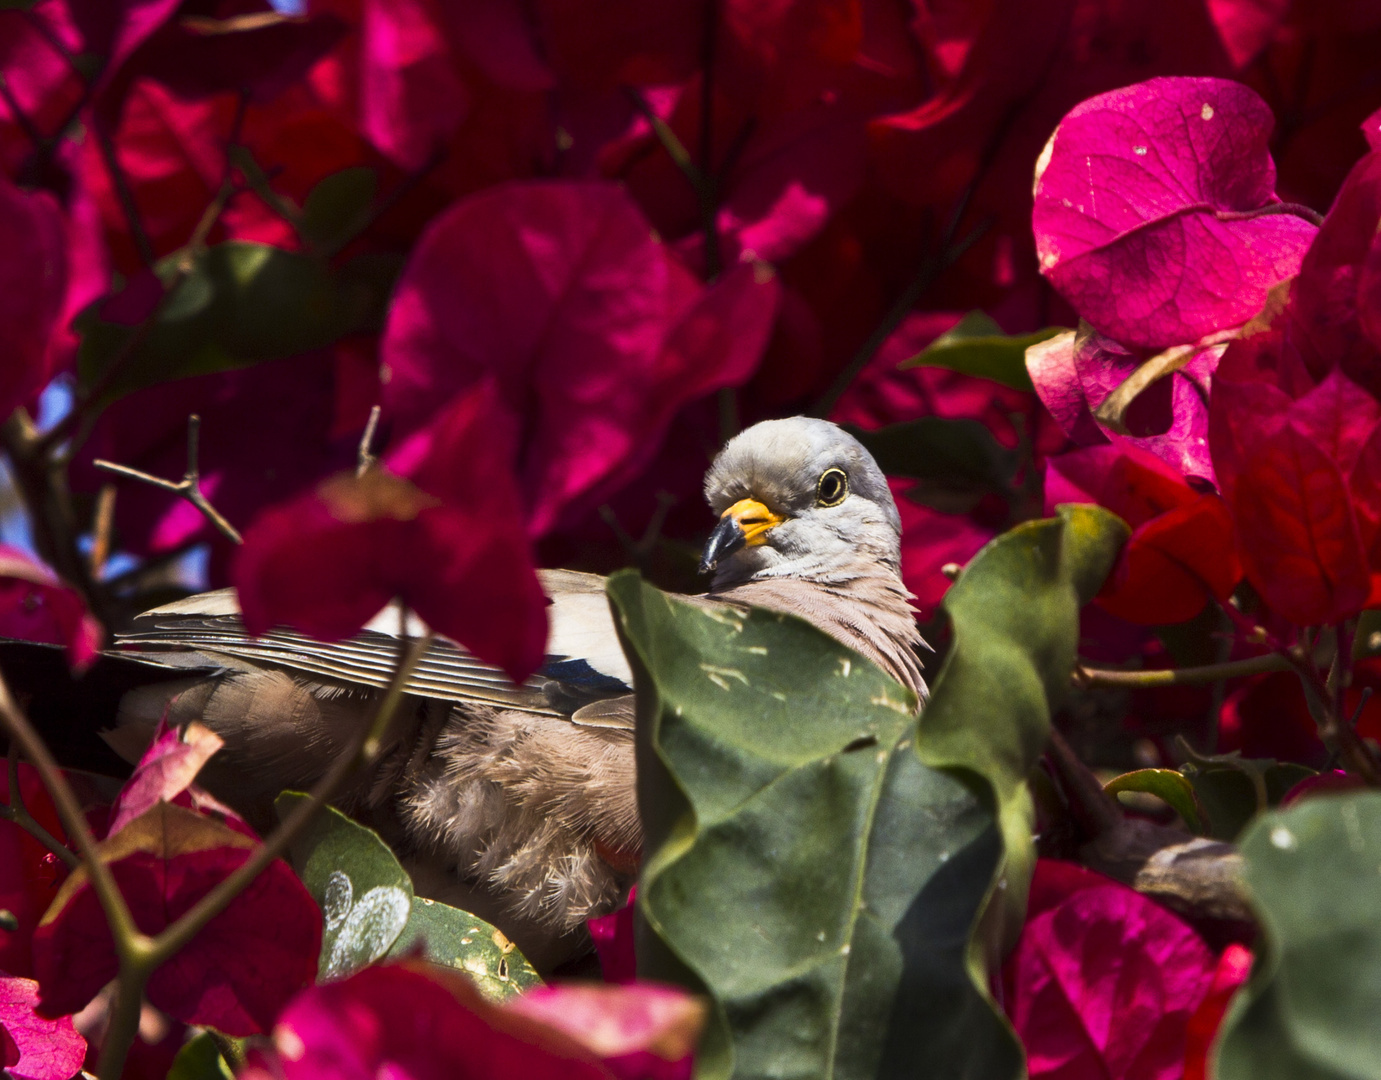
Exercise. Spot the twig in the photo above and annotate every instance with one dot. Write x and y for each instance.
(1086, 677)
(18, 813)
(103, 523)
(1352, 749)
(120, 182)
(366, 458)
(189, 487)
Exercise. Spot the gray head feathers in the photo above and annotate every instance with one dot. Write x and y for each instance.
(792, 467)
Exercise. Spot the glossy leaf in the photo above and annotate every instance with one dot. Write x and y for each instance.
(364, 893)
(780, 776)
(200, 1059)
(241, 303)
(1309, 1010)
(338, 208)
(447, 935)
(1169, 786)
(977, 346)
(370, 910)
(1232, 790)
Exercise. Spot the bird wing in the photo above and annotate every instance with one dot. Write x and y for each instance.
(584, 664)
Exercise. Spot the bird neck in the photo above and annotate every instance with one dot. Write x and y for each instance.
(865, 607)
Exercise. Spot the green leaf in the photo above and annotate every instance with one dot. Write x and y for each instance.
(200, 1059)
(370, 910)
(338, 208)
(364, 893)
(449, 936)
(1015, 617)
(956, 461)
(1310, 1008)
(1169, 786)
(805, 866)
(977, 346)
(239, 304)
(1232, 789)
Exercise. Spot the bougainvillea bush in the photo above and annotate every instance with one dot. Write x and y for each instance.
(341, 301)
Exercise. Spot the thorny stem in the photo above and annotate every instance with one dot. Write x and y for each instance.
(18, 813)
(1093, 809)
(189, 487)
(120, 182)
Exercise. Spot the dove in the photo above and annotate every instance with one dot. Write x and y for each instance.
(518, 802)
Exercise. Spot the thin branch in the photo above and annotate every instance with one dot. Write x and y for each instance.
(1086, 677)
(365, 457)
(18, 813)
(189, 487)
(120, 182)
(103, 525)
(1353, 751)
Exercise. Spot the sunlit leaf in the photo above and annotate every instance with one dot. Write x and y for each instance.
(370, 911)
(1169, 786)
(977, 346)
(1309, 1010)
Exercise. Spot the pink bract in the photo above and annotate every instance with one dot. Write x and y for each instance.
(592, 331)
(36, 606)
(36, 1048)
(1103, 982)
(439, 525)
(1155, 211)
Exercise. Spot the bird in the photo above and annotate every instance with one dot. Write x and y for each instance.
(518, 802)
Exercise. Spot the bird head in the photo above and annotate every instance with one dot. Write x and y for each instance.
(798, 498)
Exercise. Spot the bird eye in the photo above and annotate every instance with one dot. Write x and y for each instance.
(832, 489)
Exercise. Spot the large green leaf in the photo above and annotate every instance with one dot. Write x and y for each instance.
(370, 911)
(240, 303)
(977, 346)
(1310, 1010)
(806, 867)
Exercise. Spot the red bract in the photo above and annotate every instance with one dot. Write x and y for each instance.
(36, 1048)
(33, 285)
(411, 1021)
(1294, 423)
(593, 332)
(613, 938)
(237, 973)
(1180, 552)
(441, 526)
(411, 99)
(1268, 717)
(1156, 214)
(36, 606)
(1103, 981)
(29, 872)
(641, 1031)
(166, 770)
(1233, 968)
(1075, 372)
